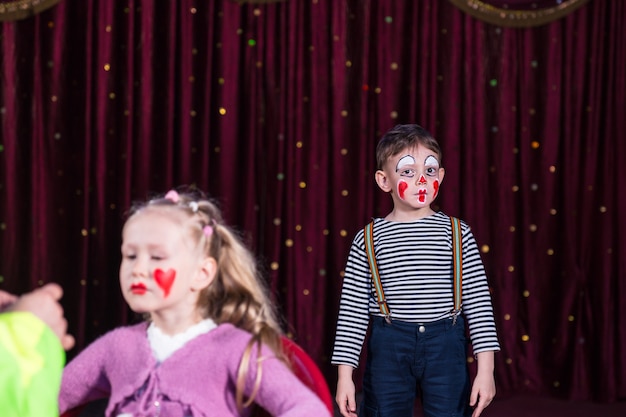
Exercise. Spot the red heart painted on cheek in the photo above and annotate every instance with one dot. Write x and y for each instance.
(164, 279)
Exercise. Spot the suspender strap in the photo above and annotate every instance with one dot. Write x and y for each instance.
(457, 254)
(457, 258)
(371, 257)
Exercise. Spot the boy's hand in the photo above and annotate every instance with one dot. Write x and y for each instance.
(346, 392)
(484, 387)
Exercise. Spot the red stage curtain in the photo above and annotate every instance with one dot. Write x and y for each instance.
(275, 109)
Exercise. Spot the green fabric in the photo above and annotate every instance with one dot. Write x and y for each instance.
(31, 364)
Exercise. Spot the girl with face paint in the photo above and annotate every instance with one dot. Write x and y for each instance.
(421, 347)
(211, 344)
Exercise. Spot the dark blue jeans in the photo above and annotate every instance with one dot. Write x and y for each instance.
(403, 358)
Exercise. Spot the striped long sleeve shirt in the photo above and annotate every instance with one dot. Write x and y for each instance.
(415, 266)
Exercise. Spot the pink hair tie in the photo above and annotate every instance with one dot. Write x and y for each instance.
(207, 230)
(173, 196)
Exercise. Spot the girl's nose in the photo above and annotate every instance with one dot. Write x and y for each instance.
(421, 179)
(140, 267)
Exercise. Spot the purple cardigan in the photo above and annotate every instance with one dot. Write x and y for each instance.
(198, 379)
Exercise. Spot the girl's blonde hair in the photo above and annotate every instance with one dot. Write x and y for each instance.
(237, 295)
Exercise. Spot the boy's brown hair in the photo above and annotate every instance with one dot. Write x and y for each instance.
(405, 136)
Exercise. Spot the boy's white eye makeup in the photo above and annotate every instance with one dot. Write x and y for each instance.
(431, 161)
(404, 161)
(431, 165)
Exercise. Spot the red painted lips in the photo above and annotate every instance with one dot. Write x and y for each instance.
(138, 289)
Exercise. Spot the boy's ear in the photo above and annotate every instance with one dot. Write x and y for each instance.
(206, 275)
(442, 173)
(382, 180)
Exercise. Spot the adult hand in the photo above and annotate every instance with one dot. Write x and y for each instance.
(6, 299)
(44, 303)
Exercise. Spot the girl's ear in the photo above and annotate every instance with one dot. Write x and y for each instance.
(206, 274)
(382, 180)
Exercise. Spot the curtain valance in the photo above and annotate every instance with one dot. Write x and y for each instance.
(518, 13)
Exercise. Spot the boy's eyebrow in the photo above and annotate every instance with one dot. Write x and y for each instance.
(431, 160)
(405, 160)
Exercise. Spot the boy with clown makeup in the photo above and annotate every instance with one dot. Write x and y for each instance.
(417, 341)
